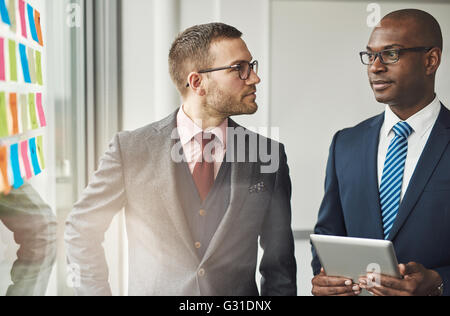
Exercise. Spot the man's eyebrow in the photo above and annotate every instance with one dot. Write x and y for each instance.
(241, 60)
(386, 47)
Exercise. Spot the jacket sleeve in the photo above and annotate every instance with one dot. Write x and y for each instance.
(278, 266)
(331, 219)
(88, 222)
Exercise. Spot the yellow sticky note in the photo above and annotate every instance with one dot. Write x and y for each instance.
(32, 109)
(12, 14)
(40, 149)
(31, 64)
(24, 113)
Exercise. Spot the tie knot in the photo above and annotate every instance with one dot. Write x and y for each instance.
(205, 138)
(402, 129)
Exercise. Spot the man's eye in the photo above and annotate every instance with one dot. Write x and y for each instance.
(391, 54)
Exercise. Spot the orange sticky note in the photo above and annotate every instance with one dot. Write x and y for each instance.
(13, 108)
(37, 19)
(4, 170)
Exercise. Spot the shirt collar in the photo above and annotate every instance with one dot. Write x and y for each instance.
(188, 129)
(421, 122)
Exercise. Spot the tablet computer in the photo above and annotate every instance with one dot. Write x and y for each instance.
(354, 257)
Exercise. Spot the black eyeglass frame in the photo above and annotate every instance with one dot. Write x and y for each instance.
(398, 50)
(251, 66)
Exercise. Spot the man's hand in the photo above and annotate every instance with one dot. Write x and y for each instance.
(324, 285)
(417, 281)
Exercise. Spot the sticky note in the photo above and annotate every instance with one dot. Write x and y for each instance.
(18, 180)
(23, 21)
(2, 59)
(34, 157)
(4, 12)
(39, 77)
(24, 113)
(12, 60)
(3, 116)
(31, 64)
(37, 18)
(24, 60)
(14, 113)
(40, 110)
(4, 170)
(2, 186)
(33, 32)
(40, 149)
(32, 109)
(25, 159)
(12, 16)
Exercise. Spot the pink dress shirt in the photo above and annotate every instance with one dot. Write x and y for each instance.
(190, 133)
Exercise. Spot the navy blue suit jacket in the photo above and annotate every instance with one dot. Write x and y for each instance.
(351, 205)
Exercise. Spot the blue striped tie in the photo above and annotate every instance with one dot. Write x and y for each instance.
(392, 179)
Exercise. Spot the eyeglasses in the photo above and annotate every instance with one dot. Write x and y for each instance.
(244, 68)
(389, 56)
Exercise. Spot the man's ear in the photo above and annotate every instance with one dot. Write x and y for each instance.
(195, 81)
(433, 60)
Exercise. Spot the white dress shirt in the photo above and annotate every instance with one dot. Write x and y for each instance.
(422, 123)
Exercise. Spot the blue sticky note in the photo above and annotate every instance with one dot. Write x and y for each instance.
(34, 157)
(4, 12)
(32, 22)
(18, 180)
(25, 67)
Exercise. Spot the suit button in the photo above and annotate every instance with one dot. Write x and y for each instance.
(201, 272)
(202, 212)
(198, 245)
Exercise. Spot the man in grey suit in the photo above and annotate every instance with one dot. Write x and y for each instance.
(197, 189)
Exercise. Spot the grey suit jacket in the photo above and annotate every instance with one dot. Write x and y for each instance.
(137, 173)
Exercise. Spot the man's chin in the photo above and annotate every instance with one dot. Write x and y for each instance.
(250, 109)
(382, 98)
(246, 109)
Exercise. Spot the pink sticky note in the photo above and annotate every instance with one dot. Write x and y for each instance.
(40, 109)
(23, 21)
(2, 59)
(26, 161)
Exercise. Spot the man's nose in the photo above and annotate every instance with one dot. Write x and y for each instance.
(253, 78)
(377, 65)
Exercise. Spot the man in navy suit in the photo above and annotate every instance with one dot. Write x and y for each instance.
(389, 177)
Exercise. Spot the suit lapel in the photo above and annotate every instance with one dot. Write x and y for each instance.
(167, 183)
(241, 175)
(433, 151)
(374, 225)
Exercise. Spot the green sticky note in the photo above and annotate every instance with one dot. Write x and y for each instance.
(24, 112)
(39, 68)
(40, 150)
(3, 116)
(12, 60)
(32, 109)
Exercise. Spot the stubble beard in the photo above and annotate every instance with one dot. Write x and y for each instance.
(227, 104)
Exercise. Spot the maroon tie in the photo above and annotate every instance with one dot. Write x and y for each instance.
(204, 170)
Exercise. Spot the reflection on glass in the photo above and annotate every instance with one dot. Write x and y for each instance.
(34, 226)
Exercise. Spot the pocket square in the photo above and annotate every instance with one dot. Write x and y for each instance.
(259, 187)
